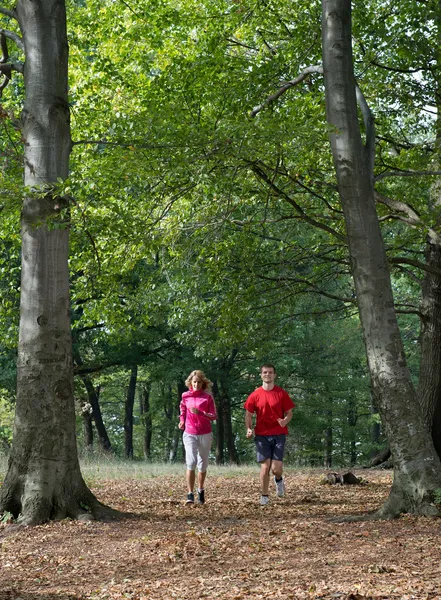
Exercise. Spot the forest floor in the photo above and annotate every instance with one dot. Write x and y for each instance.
(229, 548)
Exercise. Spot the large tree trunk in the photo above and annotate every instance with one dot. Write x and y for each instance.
(128, 413)
(43, 479)
(429, 385)
(417, 469)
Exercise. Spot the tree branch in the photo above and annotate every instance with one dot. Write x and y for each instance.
(369, 127)
(8, 13)
(405, 174)
(260, 173)
(5, 67)
(413, 218)
(402, 260)
(314, 289)
(399, 70)
(287, 86)
(13, 37)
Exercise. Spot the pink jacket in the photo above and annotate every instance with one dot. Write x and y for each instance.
(200, 423)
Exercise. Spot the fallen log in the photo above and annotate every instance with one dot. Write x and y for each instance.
(380, 458)
(342, 479)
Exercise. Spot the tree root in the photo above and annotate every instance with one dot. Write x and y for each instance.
(388, 513)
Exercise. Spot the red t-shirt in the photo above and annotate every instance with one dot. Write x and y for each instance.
(269, 406)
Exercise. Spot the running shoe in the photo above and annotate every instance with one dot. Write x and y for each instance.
(280, 487)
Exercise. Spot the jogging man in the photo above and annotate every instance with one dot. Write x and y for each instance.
(273, 408)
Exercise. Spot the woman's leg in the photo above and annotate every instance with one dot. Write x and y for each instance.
(191, 476)
(201, 479)
(204, 447)
(191, 454)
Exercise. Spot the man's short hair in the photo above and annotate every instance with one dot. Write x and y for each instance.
(267, 366)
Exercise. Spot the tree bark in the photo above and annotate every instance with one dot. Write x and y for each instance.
(329, 442)
(227, 428)
(220, 434)
(87, 427)
(177, 433)
(128, 413)
(417, 469)
(429, 385)
(352, 422)
(93, 394)
(147, 420)
(171, 411)
(44, 479)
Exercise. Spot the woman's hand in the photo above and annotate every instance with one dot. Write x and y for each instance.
(181, 425)
(194, 411)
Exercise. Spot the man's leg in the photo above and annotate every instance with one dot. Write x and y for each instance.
(263, 451)
(277, 468)
(277, 464)
(265, 468)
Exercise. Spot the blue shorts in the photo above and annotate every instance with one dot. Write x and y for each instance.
(270, 446)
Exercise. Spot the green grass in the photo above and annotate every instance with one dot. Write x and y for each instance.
(105, 468)
(113, 468)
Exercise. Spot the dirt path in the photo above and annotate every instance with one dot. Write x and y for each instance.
(230, 548)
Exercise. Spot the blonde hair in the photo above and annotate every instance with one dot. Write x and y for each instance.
(206, 383)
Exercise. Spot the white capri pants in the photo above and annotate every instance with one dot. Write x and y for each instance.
(197, 450)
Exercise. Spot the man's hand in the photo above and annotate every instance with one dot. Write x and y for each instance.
(249, 432)
(284, 422)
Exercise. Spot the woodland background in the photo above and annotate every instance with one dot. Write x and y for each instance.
(202, 237)
(216, 169)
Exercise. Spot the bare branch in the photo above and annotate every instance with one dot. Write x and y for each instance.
(398, 206)
(400, 70)
(413, 218)
(402, 260)
(260, 173)
(13, 37)
(405, 174)
(8, 13)
(5, 70)
(5, 67)
(5, 53)
(391, 217)
(236, 42)
(287, 86)
(369, 124)
(313, 288)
